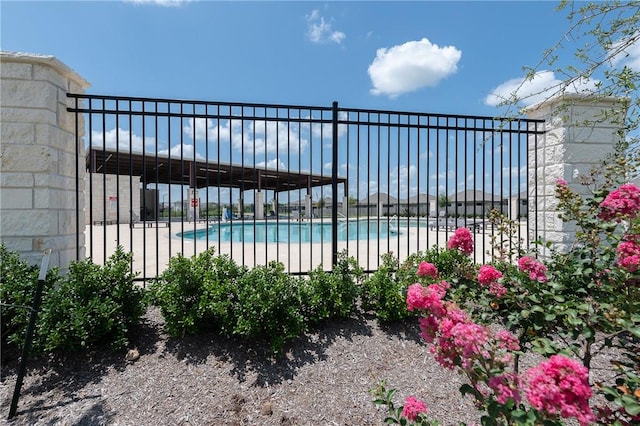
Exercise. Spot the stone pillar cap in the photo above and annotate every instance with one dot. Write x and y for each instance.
(47, 60)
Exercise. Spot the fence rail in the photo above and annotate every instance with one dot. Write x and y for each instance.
(295, 184)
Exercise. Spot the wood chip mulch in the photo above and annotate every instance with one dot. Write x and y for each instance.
(322, 378)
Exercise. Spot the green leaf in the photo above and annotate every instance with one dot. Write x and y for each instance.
(488, 421)
(467, 388)
(632, 409)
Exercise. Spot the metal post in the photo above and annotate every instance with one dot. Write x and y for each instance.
(334, 186)
(29, 336)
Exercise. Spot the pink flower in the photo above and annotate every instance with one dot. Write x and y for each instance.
(428, 328)
(469, 340)
(507, 341)
(488, 274)
(461, 240)
(497, 289)
(628, 252)
(426, 269)
(623, 203)
(415, 297)
(560, 386)
(505, 387)
(561, 182)
(413, 407)
(537, 271)
(425, 298)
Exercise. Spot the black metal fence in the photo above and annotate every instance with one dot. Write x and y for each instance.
(295, 184)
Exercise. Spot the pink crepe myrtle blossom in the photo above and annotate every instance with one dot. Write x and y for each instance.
(425, 298)
(488, 274)
(426, 269)
(628, 252)
(497, 289)
(561, 182)
(429, 328)
(622, 203)
(461, 240)
(507, 341)
(560, 386)
(536, 270)
(413, 407)
(505, 387)
(469, 340)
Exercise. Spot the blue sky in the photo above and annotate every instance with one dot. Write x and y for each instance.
(420, 56)
(433, 57)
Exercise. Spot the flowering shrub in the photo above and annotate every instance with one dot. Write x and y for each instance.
(560, 386)
(536, 270)
(413, 411)
(623, 203)
(426, 269)
(553, 388)
(577, 302)
(461, 240)
(413, 407)
(488, 274)
(629, 253)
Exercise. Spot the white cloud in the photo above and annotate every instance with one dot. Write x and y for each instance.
(124, 139)
(629, 55)
(165, 3)
(411, 66)
(542, 86)
(186, 152)
(320, 31)
(259, 137)
(213, 130)
(275, 163)
(403, 176)
(270, 137)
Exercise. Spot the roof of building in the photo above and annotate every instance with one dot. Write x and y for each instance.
(377, 198)
(199, 173)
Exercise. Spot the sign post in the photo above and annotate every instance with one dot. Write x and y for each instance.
(30, 328)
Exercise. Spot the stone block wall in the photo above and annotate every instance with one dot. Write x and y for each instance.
(38, 158)
(580, 132)
(111, 194)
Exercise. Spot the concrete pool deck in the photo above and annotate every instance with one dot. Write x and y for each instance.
(152, 247)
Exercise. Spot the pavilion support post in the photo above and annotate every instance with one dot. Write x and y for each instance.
(308, 206)
(259, 205)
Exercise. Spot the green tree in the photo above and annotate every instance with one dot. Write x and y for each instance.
(443, 200)
(604, 39)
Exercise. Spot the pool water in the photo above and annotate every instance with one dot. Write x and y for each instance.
(293, 232)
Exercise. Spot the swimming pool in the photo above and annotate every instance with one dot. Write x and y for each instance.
(293, 232)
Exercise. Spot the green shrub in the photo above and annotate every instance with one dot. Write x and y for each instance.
(91, 306)
(88, 307)
(196, 294)
(334, 294)
(18, 282)
(268, 305)
(383, 293)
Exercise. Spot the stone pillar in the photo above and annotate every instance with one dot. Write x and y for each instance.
(580, 132)
(38, 158)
